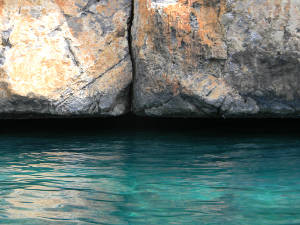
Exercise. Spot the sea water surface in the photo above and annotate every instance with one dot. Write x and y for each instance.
(149, 177)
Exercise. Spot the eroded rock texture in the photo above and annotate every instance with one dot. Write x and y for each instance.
(213, 58)
(64, 57)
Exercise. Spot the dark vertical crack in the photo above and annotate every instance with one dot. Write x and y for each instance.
(5, 45)
(106, 71)
(74, 58)
(85, 9)
(130, 47)
(5, 38)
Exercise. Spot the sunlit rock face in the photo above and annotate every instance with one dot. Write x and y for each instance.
(64, 57)
(217, 58)
(192, 58)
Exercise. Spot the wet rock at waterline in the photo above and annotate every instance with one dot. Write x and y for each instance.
(64, 57)
(217, 58)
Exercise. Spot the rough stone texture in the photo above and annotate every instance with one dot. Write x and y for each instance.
(217, 58)
(64, 57)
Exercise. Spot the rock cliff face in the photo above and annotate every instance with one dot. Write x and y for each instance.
(191, 58)
(217, 58)
(64, 57)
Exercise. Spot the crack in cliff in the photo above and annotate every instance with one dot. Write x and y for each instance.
(106, 71)
(158, 105)
(85, 9)
(5, 38)
(66, 98)
(130, 49)
(6, 44)
(72, 54)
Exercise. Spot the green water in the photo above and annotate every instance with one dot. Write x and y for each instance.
(149, 177)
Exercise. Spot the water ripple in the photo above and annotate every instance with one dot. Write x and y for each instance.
(149, 179)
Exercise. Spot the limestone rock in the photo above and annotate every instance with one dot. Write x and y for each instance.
(217, 58)
(64, 57)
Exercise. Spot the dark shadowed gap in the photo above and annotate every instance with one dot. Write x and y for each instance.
(132, 123)
(129, 37)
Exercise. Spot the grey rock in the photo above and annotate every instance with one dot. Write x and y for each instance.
(217, 58)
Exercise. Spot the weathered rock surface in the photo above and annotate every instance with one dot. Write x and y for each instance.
(192, 58)
(64, 57)
(217, 58)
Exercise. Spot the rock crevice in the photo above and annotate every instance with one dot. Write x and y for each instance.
(130, 47)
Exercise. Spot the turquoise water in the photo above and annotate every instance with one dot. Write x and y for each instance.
(149, 177)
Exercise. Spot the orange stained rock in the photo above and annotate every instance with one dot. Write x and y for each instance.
(39, 61)
(173, 82)
(64, 3)
(1, 6)
(112, 79)
(67, 6)
(206, 30)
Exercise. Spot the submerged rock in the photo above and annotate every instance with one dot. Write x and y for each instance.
(64, 57)
(217, 58)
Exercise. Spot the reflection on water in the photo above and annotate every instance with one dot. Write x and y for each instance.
(144, 178)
